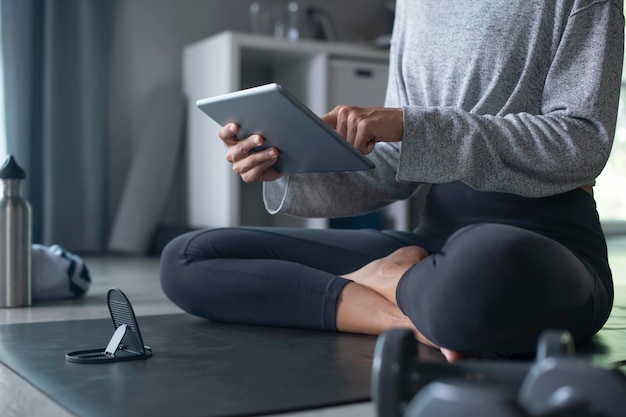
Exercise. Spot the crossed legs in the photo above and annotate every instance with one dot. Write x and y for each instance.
(490, 290)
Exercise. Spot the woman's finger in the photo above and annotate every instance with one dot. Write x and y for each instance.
(242, 148)
(253, 167)
(228, 134)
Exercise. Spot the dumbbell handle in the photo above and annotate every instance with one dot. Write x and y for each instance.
(503, 373)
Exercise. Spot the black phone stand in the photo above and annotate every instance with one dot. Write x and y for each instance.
(125, 344)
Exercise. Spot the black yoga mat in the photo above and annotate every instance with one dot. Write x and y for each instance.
(198, 368)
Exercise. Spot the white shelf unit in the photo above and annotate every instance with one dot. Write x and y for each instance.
(320, 74)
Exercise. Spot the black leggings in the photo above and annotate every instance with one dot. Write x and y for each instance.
(502, 268)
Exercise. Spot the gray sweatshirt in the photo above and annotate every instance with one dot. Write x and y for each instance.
(516, 96)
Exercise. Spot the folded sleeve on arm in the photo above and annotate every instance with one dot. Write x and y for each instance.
(338, 194)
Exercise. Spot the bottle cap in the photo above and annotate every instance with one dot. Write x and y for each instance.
(11, 170)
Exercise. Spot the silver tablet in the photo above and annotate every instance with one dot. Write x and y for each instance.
(306, 143)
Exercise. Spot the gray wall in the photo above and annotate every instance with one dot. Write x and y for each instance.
(147, 47)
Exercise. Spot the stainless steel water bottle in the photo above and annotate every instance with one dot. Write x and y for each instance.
(15, 237)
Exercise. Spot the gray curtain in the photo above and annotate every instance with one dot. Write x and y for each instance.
(57, 66)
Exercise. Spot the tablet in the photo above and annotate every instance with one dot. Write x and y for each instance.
(306, 143)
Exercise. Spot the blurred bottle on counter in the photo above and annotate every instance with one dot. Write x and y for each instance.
(279, 18)
(259, 18)
(15, 237)
(293, 21)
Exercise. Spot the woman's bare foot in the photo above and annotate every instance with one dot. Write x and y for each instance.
(451, 355)
(363, 310)
(383, 275)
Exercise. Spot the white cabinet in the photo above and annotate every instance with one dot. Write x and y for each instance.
(320, 74)
(356, 82)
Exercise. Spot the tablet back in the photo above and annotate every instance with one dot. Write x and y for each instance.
(306, 143)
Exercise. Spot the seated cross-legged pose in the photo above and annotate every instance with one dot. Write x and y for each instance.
(504, 113)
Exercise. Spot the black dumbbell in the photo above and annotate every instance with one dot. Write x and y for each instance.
(557, 385)
(398, 374)
(556, 382)
(453, 398)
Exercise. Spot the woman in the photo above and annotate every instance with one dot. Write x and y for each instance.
(504, 112)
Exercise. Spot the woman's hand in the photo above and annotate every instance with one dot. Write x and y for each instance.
(364, 126)
(252, 166)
